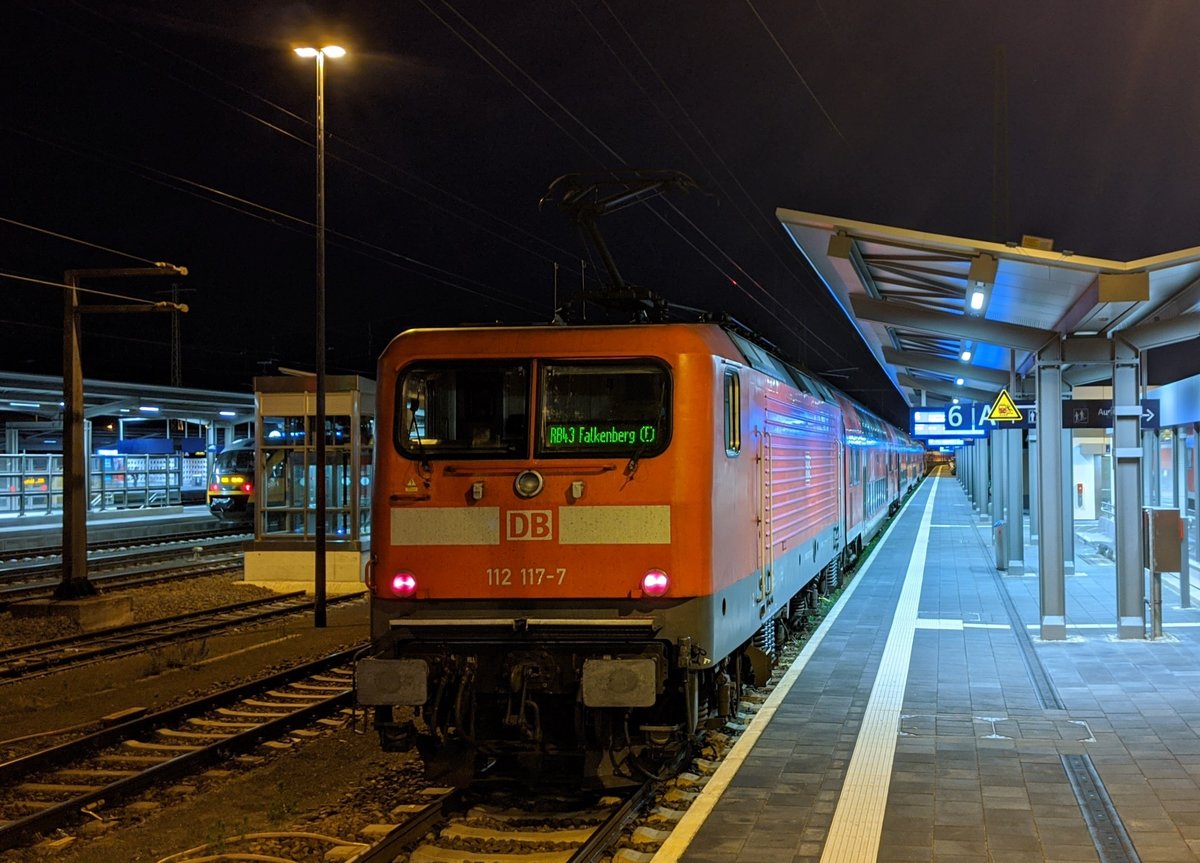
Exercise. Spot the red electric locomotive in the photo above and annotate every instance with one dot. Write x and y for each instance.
(586, 537)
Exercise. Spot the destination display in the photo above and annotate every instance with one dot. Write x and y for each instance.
(609, 435)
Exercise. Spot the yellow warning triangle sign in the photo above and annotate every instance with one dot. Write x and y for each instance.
(1003, 409)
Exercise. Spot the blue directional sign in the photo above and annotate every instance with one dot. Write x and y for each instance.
(964, 421)
(935, 423)
(971, 418)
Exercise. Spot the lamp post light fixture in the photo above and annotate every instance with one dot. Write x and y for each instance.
(319, 54)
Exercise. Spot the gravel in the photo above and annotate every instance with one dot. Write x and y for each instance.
(152, 602)
(332, 783)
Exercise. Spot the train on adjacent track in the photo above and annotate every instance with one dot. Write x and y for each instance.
(231, 486)
(588, 538)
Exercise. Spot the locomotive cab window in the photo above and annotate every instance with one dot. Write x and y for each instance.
(235, 459)
(603, 409)
(463, 410)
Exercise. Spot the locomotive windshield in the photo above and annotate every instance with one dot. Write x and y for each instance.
(603, 409)
(235, 460)
(463, 410)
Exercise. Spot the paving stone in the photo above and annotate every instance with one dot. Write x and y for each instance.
(978, 755)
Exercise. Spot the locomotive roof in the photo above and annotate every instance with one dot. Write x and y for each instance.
(639, 339)
(516, 340)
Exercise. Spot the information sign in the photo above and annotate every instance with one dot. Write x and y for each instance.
(962, 418)
(945, 422)
(967, 420)
(1098, 414)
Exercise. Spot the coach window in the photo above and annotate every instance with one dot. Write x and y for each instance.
(733, 412)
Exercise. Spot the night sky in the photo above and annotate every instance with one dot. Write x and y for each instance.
(184, 131)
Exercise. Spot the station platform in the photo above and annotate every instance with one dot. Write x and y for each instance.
(926, 721)
(20, 533)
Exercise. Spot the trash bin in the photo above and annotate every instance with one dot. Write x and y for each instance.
(998, 546)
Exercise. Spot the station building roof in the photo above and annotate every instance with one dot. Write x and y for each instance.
(934, 309)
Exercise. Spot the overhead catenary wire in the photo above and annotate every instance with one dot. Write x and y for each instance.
(140, 60)
(281, 219)
(76, 240)
(752, 224)
(46, 282)
(449, 279)
(602, 143)
(731, 272)
(306, 141)
(792, 64)
(243, 202)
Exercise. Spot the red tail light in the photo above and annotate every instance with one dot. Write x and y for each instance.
(248, 487)
(214, 487)
(655, 583)
(404, 584)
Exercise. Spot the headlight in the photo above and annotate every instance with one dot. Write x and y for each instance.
(655, 583)
(404, 584)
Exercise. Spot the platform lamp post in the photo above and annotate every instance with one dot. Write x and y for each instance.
(75, 582)
(319, 54)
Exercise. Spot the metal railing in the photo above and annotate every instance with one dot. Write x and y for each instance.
(31, 484)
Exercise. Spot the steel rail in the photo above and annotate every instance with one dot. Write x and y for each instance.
(54, 816)
(30, 660)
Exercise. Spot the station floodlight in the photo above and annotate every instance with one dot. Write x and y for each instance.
(980, 278)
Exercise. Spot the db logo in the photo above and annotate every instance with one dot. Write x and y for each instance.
(530, 524)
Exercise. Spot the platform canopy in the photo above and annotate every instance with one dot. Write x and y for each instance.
(934, 308)
(41, 396)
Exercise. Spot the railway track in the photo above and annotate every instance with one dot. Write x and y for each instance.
(548, 830)
(54, 787)
(452, 826)
(30, 569)
(15, 558)
(134, 569)
(30, 660)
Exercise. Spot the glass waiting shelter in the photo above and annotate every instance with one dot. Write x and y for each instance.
(286, 471)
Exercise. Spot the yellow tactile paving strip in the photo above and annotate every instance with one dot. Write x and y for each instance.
(687, 828)
(858, 820)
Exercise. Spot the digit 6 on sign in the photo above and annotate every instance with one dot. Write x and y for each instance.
(954, 417)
